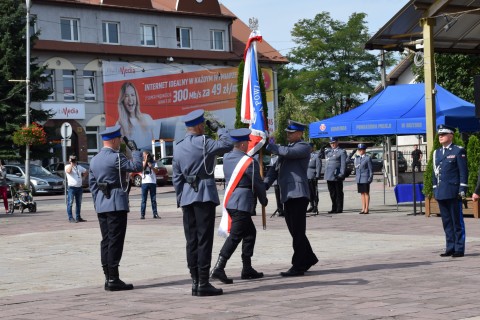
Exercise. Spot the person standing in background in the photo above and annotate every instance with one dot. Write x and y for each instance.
(416, 159)
(136, 126)
(149, 184)
(450, 183)
(364, 176)
(108, 185)
(74, 174)
(194, 160)
(313, 174)
(291, 173)
(4, 185)
(335, 164)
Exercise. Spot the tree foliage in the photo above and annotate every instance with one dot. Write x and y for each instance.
(335, 70)
(13, 67)
(455, 73)
(473, 158)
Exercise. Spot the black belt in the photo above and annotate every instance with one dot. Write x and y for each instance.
(245, 187)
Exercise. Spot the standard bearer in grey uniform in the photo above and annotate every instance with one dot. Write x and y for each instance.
(108, 184)
(240, 207)
(335, 163)
(291, 173)
(193, 165)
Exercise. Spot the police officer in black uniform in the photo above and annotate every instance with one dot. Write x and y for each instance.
(194, 160)
(450, 182)
(108, 185)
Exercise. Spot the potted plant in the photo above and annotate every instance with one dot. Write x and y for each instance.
(30, 135)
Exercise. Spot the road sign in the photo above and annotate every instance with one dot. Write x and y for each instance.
(66, 130)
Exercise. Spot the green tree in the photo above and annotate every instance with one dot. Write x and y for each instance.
(335, 69)
(473, 158)
(455, 73)
(13, 67)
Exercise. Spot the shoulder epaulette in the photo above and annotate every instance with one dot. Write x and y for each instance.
(179, 141)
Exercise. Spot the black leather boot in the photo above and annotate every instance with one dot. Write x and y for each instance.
(205, 289)
(248, 272)
(114, 282)
(218, 271)
(105, 272)
(194, 275)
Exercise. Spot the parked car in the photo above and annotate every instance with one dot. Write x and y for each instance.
(162, 176)
(41, 180)
(58, 168)
(377, 160)
(167, 163)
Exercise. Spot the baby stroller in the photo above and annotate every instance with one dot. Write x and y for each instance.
(21, 199)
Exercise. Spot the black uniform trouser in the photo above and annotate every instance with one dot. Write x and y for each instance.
(336, 194)
(198, 225)
(113, 226)
(313, 185)
(296, 219)
(242, 228)
(418, 165)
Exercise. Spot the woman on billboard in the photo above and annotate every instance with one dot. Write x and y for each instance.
(136, 126)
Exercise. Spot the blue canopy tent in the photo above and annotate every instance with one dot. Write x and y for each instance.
(398, 110)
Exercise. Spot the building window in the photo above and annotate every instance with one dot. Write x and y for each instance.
(68, 85)
(92, 141)
(110, 32)
(216, 40)
(69, 29)
(184, 38)
(89, 86)
(148, 35)
(49, 83)
(33, 25)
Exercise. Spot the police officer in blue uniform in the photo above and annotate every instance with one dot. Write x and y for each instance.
(240, 207)
(313, 174)
(450, 182)
(364, 176)
(291, 173)
(108, 185)
(194, 160)
(335, 164)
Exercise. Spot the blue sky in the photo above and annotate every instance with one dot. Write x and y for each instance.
(277, 17)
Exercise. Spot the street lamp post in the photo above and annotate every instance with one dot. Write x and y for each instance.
(27, 99)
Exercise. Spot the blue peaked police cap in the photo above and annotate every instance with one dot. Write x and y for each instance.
(445, 129)
(295, 126)
(242, 134)
(193, 118)
(111, 132)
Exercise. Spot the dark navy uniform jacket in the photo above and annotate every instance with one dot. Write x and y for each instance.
(450, 174)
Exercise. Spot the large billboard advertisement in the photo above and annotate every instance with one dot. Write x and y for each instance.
(147, 99)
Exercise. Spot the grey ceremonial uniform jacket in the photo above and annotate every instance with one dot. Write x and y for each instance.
(196, 155)
(290, 170)
(314, 166)
(250, 186)
(335, 163)
(363, 169)
(104, 167)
